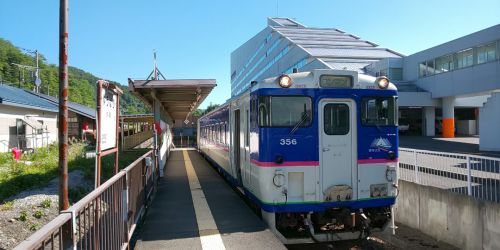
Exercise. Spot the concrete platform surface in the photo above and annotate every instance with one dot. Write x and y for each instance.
(199, 210)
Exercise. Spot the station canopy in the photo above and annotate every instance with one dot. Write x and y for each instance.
(179, 97)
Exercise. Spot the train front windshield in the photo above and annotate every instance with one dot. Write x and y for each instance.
(379, 111)
(285, 111)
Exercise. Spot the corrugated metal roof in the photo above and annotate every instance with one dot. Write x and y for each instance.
(355, 52)
(72, 106)
(286, 21)
(329, 43)
(18, 97)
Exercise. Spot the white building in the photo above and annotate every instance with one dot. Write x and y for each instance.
(448, 89)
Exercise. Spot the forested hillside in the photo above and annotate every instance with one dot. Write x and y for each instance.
(81, 83)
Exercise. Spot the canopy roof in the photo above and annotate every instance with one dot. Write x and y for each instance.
(179, 97)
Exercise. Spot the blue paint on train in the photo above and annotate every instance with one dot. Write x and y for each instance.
(307, 148)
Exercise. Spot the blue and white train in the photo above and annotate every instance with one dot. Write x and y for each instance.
(316, 151)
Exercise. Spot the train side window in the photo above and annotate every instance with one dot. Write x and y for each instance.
(247, 135)
(336, 119)
(225, 133)
(264, 103)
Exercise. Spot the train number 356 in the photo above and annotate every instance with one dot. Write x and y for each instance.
(288, 142)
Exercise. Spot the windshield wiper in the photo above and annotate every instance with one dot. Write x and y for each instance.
(305, 116)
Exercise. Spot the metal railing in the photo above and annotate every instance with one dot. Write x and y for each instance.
(107, 217)
(472, 175)
(131, 141)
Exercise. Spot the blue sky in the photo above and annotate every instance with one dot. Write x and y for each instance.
(114, 39)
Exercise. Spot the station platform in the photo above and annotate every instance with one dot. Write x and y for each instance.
(195, 208)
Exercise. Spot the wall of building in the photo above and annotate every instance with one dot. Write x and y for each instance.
(8, 117)
(489, 121)
(410, 63)
(475, 79)
(459, 220)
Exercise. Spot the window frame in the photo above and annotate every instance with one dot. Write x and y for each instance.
(270, 115)
(396, 118)
(349, 120)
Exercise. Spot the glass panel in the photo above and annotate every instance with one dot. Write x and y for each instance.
(379, 111)
(444, 64)
(336, 119)
(422, 69)
(264, 108)
(430, 68)
(464, 58)
(247, 134)
(396, 74)
(332, 81)
(486, 53)
(290, 111)
(285, 111)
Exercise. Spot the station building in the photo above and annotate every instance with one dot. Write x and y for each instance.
(452, 88)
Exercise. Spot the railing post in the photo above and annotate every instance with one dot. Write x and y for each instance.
(125, 197)
(469, 177)
(415, 164)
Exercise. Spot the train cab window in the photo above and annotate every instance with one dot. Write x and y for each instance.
(336, 119)
(379, 111)
(285, 111)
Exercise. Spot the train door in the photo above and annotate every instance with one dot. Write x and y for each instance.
(337, 124)
(237, 146)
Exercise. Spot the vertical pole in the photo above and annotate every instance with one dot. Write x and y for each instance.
(63, 120)
(122, 127)
(469, 177)
(117, 131)
(63, 105)
(37, 72)
(98, 140)
(416, 166)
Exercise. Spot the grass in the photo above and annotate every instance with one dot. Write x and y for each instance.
(16, 176)
(7, 206)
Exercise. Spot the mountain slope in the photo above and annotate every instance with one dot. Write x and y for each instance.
(81, 83)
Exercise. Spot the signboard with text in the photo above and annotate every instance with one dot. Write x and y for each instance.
(109, 120)
(108, 110)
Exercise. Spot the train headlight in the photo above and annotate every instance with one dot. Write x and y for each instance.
(285, 81)
(382, 82)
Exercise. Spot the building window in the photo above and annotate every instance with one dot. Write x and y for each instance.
(430, 67)
(464, 58)
(444, 64)
(396, 74)
(422, 69)
(486, 53)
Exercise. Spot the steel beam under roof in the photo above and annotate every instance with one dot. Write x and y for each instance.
(179, 97)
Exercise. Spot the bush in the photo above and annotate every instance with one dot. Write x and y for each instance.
(23, 215)
(7, 206)
(38, 214)
(46, 203)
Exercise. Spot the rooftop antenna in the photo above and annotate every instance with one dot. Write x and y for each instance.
(156, 73)
(277, 8)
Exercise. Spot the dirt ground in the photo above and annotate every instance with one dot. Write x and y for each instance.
(29, 210)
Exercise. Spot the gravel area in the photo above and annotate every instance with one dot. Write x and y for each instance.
(405, 239)
(27, 211)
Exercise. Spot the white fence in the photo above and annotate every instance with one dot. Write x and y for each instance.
(472, 175)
